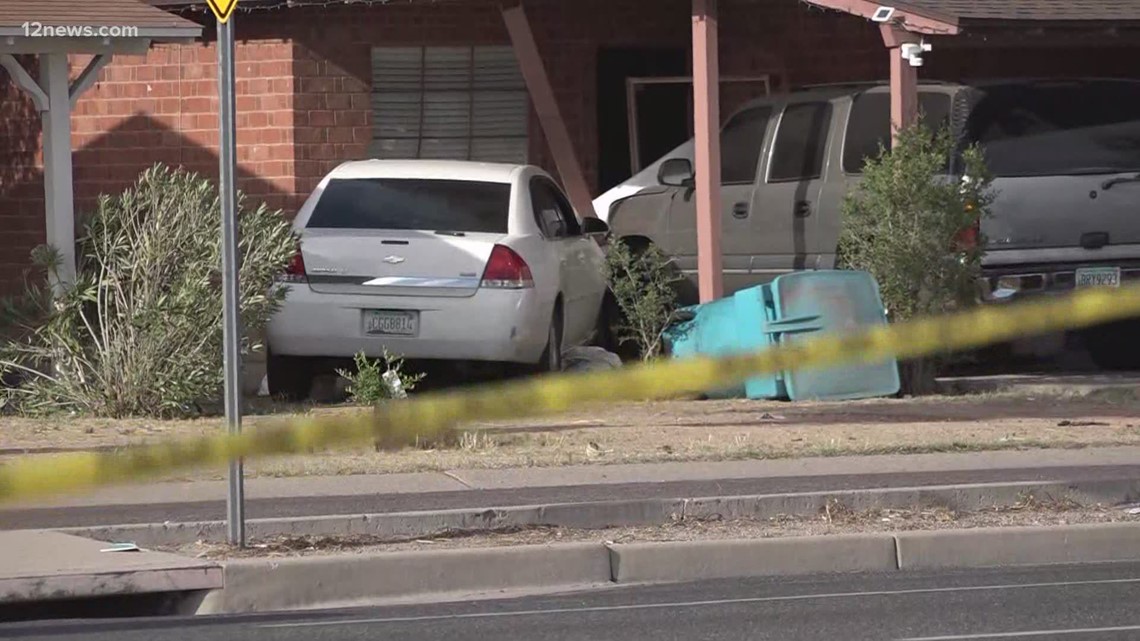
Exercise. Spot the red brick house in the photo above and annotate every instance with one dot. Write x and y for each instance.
(321, 82)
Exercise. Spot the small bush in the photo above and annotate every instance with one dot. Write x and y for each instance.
(140, 331)
(643, 282)
(904, 224)
(375, 380)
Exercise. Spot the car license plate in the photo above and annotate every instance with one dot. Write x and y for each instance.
(1098, 277)
(391, 322)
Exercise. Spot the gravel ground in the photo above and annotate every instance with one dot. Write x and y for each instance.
(835, 519)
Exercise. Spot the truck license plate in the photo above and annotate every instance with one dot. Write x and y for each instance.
(391, 322)
(1098, 277)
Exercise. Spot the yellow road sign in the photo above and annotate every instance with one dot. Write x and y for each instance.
(222, 9)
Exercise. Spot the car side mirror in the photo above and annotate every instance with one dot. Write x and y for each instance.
(676, 172)
(592, 225)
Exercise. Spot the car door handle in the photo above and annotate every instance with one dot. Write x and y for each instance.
(802, 208)
(740, 210)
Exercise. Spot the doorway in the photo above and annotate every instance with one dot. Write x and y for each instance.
(663, 110)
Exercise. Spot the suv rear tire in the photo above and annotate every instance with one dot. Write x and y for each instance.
(289, 377)
(1115, 346)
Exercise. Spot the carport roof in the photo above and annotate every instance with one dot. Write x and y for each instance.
(150, 22)
(951, 11)
(973, 11)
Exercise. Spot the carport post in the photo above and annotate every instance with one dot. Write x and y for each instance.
(546, 107)
(904, 79)
(59, 195)
(706, 126)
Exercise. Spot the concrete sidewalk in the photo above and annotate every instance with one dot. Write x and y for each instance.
(51, 566)
(599, 475)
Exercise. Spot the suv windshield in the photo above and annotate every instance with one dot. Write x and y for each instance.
(422, 204)
(1058, 129)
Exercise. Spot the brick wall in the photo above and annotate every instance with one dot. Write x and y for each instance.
(21, 183)
(304, 82)
(163, 107)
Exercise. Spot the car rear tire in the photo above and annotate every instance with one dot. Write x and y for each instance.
(1115, 346)
(552, 356)
(289, 377)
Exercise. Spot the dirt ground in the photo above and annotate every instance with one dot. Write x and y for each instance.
(834, 520)
(664, 431)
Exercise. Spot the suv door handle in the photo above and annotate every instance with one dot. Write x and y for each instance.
(740, 210)
(802, 208)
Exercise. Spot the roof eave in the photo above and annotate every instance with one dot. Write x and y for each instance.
(913, 20)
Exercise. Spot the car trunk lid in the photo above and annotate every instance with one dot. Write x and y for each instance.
(396, 263)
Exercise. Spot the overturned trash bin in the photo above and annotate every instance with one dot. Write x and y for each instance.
(792, 307)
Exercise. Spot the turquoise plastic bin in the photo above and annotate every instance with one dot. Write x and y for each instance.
(792, 307)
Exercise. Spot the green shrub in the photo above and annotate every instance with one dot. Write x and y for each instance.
(904, 225)
(375, 380)
(140, 332)
(643, 282)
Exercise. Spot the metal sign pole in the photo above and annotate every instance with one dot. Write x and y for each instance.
(231, 317)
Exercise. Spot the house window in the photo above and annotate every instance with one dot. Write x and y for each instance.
(456, 103)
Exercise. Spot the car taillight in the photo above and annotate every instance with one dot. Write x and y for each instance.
(966, 239)
(295, 270)
(506, 270)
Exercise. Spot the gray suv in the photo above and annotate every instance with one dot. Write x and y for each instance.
(1065, 155)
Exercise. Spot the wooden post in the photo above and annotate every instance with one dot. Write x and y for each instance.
(706, 125)
(546, 106)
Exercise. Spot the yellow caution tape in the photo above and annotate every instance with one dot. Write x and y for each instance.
(430, 415)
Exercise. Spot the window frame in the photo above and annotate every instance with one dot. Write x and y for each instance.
(572, 227)
(756, 170)
(830, 110)
(432, 85)
(950, 99)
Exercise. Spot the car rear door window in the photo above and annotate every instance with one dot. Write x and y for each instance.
(741, 141)
(405, 203)
(801, 142)
(1065, 128)
(552, 211)
(869, 125)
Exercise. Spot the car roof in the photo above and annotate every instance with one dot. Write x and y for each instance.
(441, 169)
(838, 91)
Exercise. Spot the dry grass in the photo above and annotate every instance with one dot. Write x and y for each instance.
(674, 431)
(835, 519)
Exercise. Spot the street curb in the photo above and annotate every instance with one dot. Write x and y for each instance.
(642, 512)
(1087, 543)
(263, 585)
(699, 560)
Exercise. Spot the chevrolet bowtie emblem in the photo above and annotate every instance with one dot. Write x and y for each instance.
(394, 260)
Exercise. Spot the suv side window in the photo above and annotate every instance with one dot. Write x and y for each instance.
(552, 211)
(741, 141)
(869, 124)
(801, 142)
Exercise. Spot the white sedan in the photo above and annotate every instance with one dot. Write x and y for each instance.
(445, 260)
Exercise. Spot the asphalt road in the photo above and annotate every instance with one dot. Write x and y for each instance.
(56, 517)
(1063, 603)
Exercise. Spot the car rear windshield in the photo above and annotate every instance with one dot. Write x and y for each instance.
(402, 203)
(1058, 129)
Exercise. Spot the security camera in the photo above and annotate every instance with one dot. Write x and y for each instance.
(912, 52)
(883, 14)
